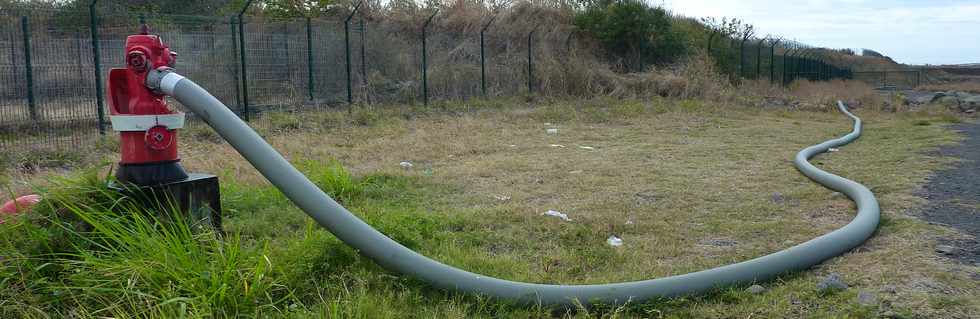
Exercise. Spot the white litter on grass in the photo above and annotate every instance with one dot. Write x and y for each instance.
(406, 164)
(614, 241)
(512, 145)
(587, 148)
(558, 145)
(552, 131)
(547, 124)
(501, 198)
(576, 172)
(558, 214)
(833, 150)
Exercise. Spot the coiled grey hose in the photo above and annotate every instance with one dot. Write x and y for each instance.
(395, 257)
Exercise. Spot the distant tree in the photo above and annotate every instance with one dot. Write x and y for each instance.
(298, 8)
(871, 53)
(631, 30)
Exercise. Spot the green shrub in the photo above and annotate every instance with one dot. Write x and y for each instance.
(633, 32)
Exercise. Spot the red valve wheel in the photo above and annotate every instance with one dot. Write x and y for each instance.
(159, 138)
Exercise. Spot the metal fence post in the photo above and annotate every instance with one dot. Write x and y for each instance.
(97, 62)
(29, 68)
(758, 59)
(786, 57)
(285, 51)
(350, 90)
(530, 61)
(236, 66)
(425, 65)
(364, 79)
(483, 59)
(772, 61)
(741, 57)
(309, 58)
(241, 44)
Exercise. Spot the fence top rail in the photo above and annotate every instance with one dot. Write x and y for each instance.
(886, 71)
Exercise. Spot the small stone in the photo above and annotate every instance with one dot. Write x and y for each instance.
(832, 282)
(947, 250)
(891, 289)
(755, 289)
(866, 298)
(778, 198)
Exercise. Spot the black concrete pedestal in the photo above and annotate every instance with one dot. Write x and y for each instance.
(197, 197)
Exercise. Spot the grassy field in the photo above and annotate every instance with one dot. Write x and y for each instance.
(686, 184)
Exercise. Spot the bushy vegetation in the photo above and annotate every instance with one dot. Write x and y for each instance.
(633, 31)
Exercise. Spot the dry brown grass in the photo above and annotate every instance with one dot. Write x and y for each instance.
(702, 183)
(973, 87)
(698, 181)
(825, 94)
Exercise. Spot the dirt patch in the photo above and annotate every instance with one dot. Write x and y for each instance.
(954, 196)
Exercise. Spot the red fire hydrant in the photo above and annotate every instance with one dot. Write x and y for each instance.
(146, 124)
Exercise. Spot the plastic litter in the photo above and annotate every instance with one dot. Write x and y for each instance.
(558, 214)
(614, 241)
(552, 131)
(558, 145)
(833, 150)
(587, 148)
(406, 164)
(19, 205)
(501, 198)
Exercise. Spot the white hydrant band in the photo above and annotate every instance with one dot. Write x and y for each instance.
(141, 123)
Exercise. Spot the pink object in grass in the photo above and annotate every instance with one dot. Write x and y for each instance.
(19, 205)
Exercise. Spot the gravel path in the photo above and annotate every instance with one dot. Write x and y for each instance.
(954, 197)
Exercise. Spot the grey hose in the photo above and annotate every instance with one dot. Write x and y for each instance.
(395, 257)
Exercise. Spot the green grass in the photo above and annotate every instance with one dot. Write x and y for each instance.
(89, 252)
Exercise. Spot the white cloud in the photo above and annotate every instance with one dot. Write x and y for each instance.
(935, 32)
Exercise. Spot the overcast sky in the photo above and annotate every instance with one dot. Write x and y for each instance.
(910, 31)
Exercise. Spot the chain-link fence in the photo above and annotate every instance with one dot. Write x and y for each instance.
(891, 79)
(54, 64)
